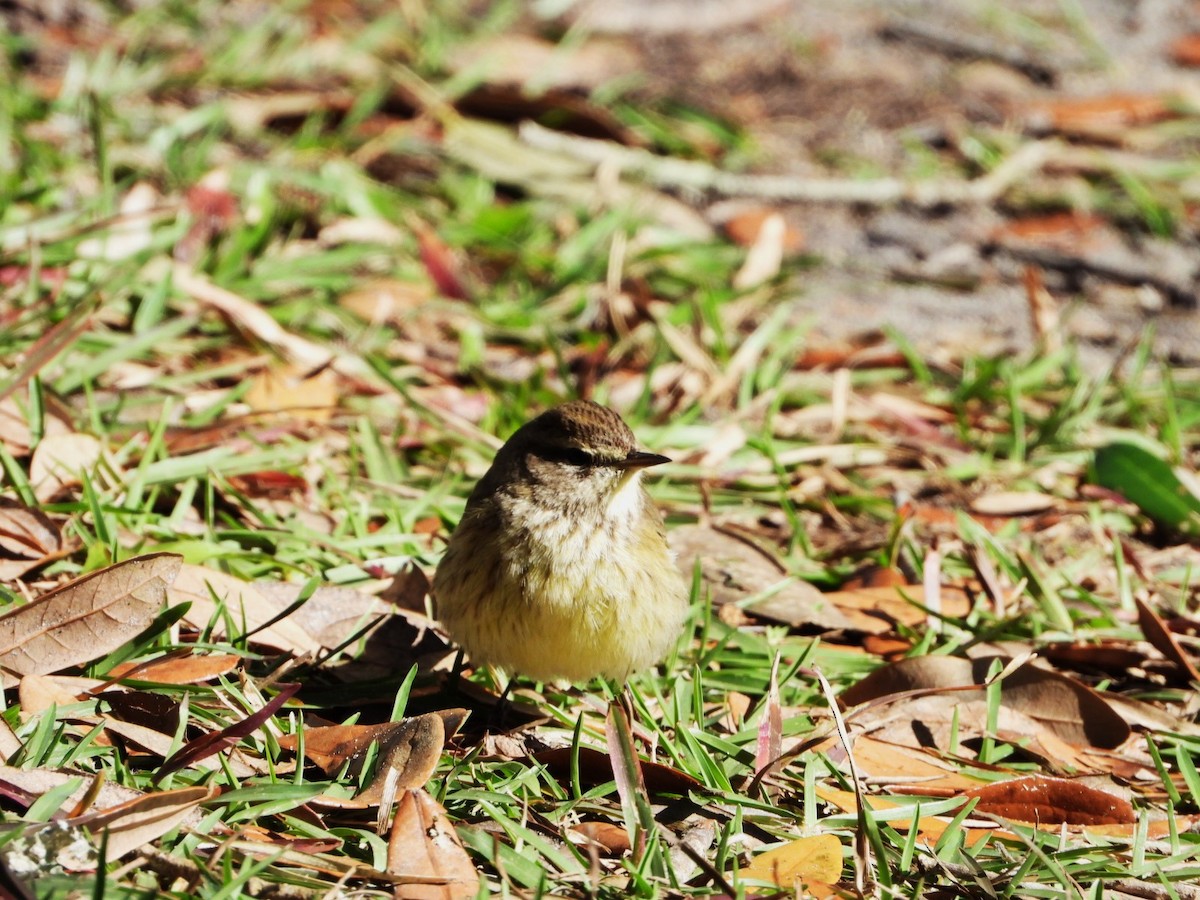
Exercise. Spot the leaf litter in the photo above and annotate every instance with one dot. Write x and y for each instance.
(414, 291)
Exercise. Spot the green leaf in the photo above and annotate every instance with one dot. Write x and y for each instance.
(1150, 483)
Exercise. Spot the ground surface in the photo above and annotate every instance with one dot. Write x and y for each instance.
(855, 86)
(276, 280)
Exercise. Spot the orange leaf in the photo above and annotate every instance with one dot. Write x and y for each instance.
(1052, 801)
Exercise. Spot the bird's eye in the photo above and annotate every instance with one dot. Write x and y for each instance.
(572, 456)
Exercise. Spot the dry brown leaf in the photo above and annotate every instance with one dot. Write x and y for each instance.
(734, 570)
(883, 760)
(1069, 231)
(613, 840)
(9, 742)
(59, 461)
(194, 668)
(295, 391)
(795, 865)
(25, 785)
(1052, 801)
(198, 585)
(37, 693)
(28, 538)
(330, 615)
(1070, 710)
(158, 711)
(877, 610)
(409, 750)
(595, 767)
(150, 740)
(426, 854)
(86, 618)
(14, 427)
(1160, 637)
(929, 827)
(139, 821)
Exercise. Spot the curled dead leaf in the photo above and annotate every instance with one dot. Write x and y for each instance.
(409, 750)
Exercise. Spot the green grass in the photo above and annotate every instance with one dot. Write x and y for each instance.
(111, 346)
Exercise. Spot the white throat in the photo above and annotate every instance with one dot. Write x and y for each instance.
(624, 502)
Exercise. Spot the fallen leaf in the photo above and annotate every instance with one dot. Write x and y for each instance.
(1052, 801)
(37, 693)
(1070, 710)
(298, 392)
(24, 786)
(269, 484)
(733, 571)
(193, 668)
(883, 761)
(595, 767)
(1160, 637)
(129, 825)
(610, 838)
(28, 538)
(160, 712)
(790, 867)
(215, 741)
(424, 847)
(1067, 231)
(409, 750)
(88, 617)
(744, 227)
(60, 461)
(928, 827)
(877, 610)
(199, 586)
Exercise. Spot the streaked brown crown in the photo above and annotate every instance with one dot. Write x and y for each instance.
(579, 425)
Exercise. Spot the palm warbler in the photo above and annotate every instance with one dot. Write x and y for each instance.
(559, 567)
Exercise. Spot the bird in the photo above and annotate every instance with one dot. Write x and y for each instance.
(559, 569)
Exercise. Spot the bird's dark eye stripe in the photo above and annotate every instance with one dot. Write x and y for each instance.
(572, 456)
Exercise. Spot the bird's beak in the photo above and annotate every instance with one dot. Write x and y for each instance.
(640, 459)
